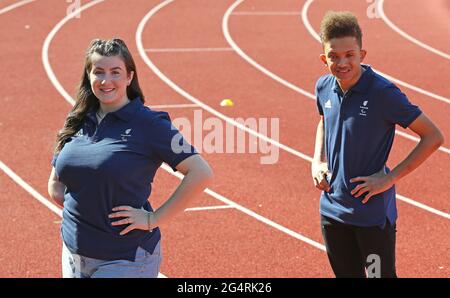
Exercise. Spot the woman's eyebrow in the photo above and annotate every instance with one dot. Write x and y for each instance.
(114, 68)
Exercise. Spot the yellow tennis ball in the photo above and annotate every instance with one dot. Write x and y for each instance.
(226, 103)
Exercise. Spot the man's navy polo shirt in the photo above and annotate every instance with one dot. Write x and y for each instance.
(359, 131)
(109, 165)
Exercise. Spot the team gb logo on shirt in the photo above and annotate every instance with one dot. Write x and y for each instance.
(364, 108)
(126, 135)
(79, 133)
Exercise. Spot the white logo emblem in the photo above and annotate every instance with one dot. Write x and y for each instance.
(126, 135)
(328, 104)
(79, 133)
(364, 108)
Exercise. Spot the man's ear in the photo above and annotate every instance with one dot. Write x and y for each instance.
(323, 58)
(363, 54)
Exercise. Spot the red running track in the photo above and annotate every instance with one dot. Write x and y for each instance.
(218, 242)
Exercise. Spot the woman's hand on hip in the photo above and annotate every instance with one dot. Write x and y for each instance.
(136, 219)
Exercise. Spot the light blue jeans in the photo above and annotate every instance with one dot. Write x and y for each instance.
(146, 265)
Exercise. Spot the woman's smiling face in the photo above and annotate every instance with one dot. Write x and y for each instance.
(109, 79)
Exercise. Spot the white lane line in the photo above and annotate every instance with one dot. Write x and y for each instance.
(194, 100)
(16, 178)
(46, 46)
(15, 5)
(251, 61)
(173, 106)
(423, 206)
(67, 97)
(240, 52)
(404, 84)
(219, 197)
(45, 60)
(380, 10)
(52, 77)
(58, 87)
(191, 98)
(187, 50)
(266, 13)
(252, 213)
(416, 139)
(208, 208)
(35, 194)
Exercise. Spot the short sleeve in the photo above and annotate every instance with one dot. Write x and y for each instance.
(319, 105)
(397, 108)
(55, 157)
(168, 144)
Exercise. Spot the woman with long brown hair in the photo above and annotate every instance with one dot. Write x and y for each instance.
(106, 157)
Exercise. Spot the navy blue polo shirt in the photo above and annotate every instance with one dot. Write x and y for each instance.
(109, 165)
(359, 131)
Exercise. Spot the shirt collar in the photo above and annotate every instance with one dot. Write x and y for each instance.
(363, 82)
(125, 113)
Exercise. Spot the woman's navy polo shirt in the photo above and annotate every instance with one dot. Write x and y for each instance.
(359, 132)
(109, 165)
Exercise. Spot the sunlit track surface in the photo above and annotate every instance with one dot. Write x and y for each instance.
(185, 70)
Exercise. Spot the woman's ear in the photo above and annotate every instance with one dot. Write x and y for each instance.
(130, 77)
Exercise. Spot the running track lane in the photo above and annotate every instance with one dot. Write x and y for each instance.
(400, 59)
(237, 264)
(202, 62)
(263, 45)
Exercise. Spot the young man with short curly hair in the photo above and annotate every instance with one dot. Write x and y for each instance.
(359, 110)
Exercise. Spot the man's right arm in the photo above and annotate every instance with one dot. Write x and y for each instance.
(56, 189)
(319, 166)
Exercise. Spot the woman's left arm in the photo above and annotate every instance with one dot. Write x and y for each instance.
(197, 175)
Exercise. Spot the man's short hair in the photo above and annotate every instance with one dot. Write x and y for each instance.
(336, 24)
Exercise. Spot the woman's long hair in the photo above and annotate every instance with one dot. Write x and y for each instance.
(86, 99)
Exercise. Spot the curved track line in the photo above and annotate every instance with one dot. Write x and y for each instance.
(16, 178)
(380, 10)
(404, 84)
(185, 94)
(35, 194)
(178, 89)
(254, 214)
(67, 97)
(57, 85)
(15, 5)
(240, 52)
(46, 46)
(302, 91)
(191, 98)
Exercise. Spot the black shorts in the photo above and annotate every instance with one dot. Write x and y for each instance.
(353, 250)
